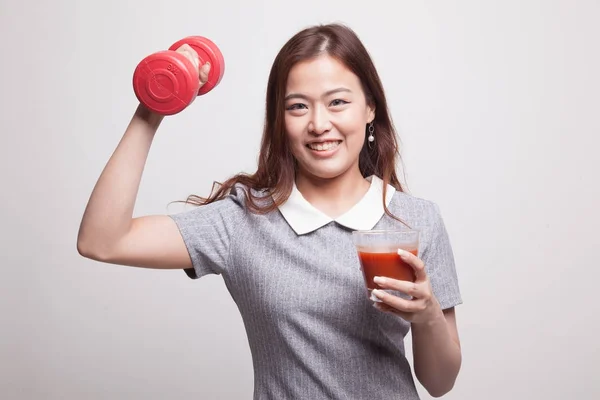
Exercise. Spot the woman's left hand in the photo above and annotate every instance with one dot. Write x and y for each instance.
(423, 306)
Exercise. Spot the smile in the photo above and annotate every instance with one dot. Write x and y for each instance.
(324, 146)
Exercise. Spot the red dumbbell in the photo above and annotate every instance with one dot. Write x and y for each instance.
(166, 82)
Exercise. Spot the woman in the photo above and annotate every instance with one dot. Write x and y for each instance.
(281, 238)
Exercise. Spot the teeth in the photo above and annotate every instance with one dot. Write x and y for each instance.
(323, 146)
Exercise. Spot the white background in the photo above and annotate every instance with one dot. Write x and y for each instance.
(497, 106)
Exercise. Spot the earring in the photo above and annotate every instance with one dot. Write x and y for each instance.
(371, 137)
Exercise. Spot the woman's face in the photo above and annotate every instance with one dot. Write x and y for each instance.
(325, 117)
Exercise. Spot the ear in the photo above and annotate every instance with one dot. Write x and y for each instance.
(370, 113)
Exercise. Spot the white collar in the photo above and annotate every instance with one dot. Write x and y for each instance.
(304, 218)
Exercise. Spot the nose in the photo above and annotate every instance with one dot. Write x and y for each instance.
(319, 122)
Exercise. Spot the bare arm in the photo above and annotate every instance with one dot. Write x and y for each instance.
(108, 231)
(437, 353)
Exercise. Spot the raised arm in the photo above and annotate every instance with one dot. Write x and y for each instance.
(108, 231)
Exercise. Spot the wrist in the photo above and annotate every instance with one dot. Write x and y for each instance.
(147, 116)
(435, 317)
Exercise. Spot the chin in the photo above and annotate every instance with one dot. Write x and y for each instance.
(324, 172)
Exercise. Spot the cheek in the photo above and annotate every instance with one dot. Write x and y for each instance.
(353, 127)
(293, 130)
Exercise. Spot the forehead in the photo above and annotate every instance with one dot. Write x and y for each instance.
(320, 74)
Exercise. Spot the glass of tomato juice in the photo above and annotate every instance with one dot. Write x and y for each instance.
(378, 255)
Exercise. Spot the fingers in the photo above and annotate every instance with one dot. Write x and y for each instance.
(400, 304)
(204, 73)
(192, 55)
(415, 289)
(415, 262)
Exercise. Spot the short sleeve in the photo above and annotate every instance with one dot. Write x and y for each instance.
(439, 262)
(208, 232)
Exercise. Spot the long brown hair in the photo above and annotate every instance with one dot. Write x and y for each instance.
(276, 166)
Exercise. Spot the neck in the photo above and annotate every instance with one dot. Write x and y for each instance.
(333, 196)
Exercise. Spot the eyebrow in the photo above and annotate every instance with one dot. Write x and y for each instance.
(328, 93)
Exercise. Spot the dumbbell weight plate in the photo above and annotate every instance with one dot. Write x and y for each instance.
(165, 82)
(207, 51)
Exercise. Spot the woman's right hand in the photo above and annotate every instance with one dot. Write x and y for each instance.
(192, 55)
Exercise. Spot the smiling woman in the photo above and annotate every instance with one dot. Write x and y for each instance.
(282, 236)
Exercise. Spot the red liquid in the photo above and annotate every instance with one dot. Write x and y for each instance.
(389, 265)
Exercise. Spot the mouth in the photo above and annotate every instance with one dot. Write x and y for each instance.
(324, 146)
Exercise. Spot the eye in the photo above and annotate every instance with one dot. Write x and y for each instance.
(296, 106)
(338, 102)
